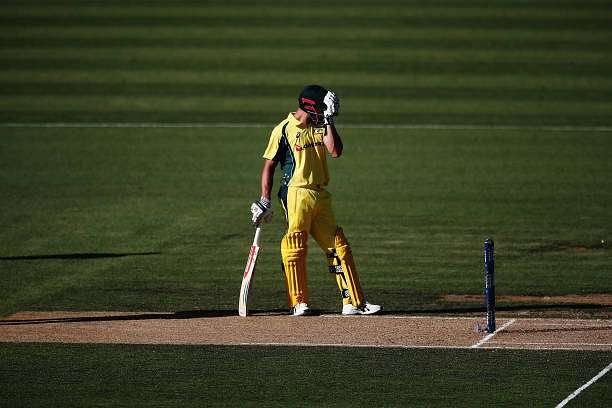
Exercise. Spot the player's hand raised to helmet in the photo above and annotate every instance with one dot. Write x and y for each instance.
(332, 103)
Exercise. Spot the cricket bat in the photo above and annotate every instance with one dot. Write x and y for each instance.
(249, 270)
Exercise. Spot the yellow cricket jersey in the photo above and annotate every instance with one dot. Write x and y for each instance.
(301, 153)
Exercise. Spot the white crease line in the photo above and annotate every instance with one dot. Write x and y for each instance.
(556, 321)
(579, 324)
(537, 348)
(516, 343)
(490, 336)
(132, 125)
(423, 126)
(400, 317)
(480, 127)
(579, 390)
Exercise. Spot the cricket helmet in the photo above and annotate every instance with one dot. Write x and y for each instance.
(311, 101)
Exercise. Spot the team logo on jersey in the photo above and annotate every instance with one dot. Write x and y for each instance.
(299, 148)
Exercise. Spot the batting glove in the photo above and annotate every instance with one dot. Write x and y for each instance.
(332, 102)
(261, 211)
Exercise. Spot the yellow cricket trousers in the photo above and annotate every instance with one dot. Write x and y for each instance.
(309, 212)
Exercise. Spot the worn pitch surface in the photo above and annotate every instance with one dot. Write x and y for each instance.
(324, 330)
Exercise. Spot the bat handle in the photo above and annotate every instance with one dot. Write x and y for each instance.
(257, 235)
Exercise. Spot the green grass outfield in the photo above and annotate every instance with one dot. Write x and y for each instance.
(156, 219)
(188, 376)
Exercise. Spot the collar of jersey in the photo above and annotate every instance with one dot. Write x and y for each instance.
(294, 121)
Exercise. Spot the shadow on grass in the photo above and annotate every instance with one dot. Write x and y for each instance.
(458, 310)
(78, 256)
(199, 314)
(189, 314)
(562, 329)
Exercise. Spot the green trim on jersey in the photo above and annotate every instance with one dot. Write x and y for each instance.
(284, 156)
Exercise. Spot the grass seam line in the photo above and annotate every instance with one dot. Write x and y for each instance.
(585, 386)
(511, 346)
(490, 336)
(246, 125)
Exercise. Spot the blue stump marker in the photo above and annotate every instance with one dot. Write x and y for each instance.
(489, 269)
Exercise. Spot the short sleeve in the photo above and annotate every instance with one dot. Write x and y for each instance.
(274, 145)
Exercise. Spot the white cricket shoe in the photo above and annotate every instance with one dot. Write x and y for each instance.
(366, 309)
(301, 309)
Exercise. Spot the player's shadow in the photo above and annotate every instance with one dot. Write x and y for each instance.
(192, 314)
(180, 315)
(76, 256)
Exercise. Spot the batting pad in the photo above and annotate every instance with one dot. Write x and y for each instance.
(349, 271)
(294, 251)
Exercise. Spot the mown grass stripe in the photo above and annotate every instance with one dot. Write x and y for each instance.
(486, 68)
(227, 42)
(404, 73)
(265, 103)
(282, 79)
(246, 125)
(227, 89)
(375, 9)
(596, 22)
(321, 33)
(352, 54)
(202, 114)
(438, 4)
(456, 47)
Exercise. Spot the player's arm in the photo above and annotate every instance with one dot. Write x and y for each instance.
(332, 141)
(267, 178)
(261, 210)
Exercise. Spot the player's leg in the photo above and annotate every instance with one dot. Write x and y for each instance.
(359, 305)
(335, 267)
(294, 247)
(350, 278)
(331, 239)
(294, 250)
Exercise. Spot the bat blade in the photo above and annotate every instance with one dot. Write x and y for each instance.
(245, 288)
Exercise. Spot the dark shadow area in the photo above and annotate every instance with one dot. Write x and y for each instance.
(198, 314)
(567, 246)
(188, 314)
(191, 314)
(481, 309)
(77, 256)
(561, 329)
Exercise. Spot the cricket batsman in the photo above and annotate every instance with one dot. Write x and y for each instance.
(300, 144)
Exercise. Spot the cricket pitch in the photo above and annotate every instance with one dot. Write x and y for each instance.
(383, 331)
